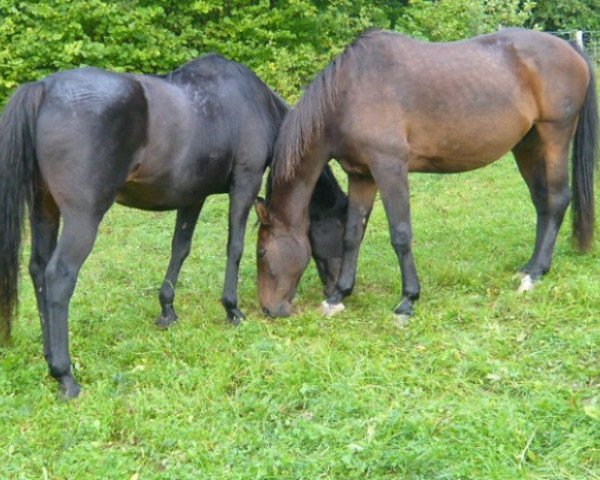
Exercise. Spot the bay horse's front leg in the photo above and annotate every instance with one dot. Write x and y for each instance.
(242, 194)
(392, 180)
(361, 196)
(74, 246)
(185, 224)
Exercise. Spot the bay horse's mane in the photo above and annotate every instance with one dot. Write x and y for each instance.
(307, 117)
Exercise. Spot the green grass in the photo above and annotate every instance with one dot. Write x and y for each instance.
(483, 384)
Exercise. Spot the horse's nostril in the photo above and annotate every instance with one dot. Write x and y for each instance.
(267, 312)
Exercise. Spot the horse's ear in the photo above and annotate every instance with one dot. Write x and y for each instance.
(260, 205)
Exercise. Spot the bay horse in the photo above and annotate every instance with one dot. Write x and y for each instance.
(390, 105)
(77, 141)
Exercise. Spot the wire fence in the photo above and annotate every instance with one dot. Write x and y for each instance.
(589, 38)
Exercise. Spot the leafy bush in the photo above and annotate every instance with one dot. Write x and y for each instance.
(285, 42)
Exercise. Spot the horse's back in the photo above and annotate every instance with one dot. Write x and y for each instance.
(206, 119)
(458, 105)
(231, 100)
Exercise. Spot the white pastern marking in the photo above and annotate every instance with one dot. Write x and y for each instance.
(330, 309)
(526, 284)
(402, 320)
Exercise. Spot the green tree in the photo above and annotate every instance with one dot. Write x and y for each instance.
(286, 42)
(550, 15)
(442, 20)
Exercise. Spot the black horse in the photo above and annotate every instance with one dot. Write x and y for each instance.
(77, 141)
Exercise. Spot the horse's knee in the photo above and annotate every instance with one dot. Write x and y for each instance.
(401, 238)
(36, 270)
(351, 236)
(59, 280)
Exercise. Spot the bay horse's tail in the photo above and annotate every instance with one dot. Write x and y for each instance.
(17, 164)
(585, 146)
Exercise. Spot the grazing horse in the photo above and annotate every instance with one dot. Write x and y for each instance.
(327, 211)
(77, 141)
(390, 105)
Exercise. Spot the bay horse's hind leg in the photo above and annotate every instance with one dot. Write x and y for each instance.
(543, 158)
(185, 225)
(74, 245)
(361, 195)
(45, 221)
(242, 193)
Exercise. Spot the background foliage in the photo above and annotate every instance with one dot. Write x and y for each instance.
(285, 41)
(484, 384)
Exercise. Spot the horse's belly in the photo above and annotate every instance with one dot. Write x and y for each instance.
(146, 197)
(163, 182)
(466, 149)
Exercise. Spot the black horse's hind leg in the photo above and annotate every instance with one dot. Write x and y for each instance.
(542, 158)
(185, 225)
(392, 180)
(74, 245)
(242, 194)
(361, 195)
(45, 221)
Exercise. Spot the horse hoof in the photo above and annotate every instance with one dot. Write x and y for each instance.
(330, 309)
(527, 284)
(236, 317)
(69, 388)
(166, 321)
(402, 320)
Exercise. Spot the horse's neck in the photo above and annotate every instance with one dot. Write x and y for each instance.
(289, 202)
(291, 197)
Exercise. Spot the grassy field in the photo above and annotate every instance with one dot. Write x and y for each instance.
(483, 384)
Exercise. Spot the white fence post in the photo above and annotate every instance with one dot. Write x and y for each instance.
(579, 38)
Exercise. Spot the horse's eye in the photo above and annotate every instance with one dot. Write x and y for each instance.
(262, 252)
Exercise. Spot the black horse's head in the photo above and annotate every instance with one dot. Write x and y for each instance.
(328, 212)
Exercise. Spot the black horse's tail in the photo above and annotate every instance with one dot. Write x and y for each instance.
(17, 164)
(585, 147)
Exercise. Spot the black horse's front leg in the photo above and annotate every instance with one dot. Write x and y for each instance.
(185, 225)
(241, 198)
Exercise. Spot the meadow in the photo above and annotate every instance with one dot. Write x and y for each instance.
(483, 384)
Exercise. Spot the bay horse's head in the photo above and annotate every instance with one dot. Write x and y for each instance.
(283, 253)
